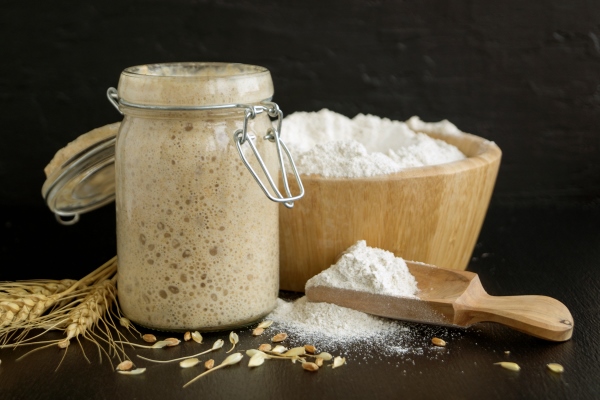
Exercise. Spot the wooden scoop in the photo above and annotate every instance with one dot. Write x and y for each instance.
(451, 297)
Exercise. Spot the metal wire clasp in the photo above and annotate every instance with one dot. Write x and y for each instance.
(240, 137)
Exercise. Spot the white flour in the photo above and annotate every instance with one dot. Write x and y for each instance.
(332, 145)
(331, 326)
(343, 331)
(323, 322)
(368, 269)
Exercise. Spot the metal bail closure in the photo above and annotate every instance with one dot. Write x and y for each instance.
(113, 97)
(241, 136)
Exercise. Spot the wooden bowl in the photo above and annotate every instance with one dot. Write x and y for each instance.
(429, 214)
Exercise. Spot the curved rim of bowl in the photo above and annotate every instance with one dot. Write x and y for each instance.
(483, 152)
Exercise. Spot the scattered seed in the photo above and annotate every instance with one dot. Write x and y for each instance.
(310, 348)
(187, 336)
(234, 339)
(319, 361)
(296, 351)
(310, 366)
(258, 331)
(189, 362)
(509, 365)
(126, 365)
(136, 371)
(280, 337)
(265, 324)
(325, 356)
(149, 338)
(256, 360)
(218, 344)
(209, 364)
(338, 362)
(279, 349)
(554, 367)
(197, 337)
(292, 356)
(230, 360)
(507, 352)
(265, 347)
(12, 307)
(438, 342)
(159, 345)
(172, 341)
(252, 352)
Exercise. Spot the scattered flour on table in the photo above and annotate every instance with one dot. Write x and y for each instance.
(363, 337)
(323, 322)
(335, 146)
(331, 327)
(368, 269)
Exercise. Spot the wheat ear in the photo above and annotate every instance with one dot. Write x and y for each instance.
(23, 303)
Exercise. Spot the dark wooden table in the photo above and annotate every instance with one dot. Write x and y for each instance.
(548, 250)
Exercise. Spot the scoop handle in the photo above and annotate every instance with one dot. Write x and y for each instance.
(540, 316)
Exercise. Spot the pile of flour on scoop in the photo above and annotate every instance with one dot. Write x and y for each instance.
(334, 146)
(368, 269)
(360, 268)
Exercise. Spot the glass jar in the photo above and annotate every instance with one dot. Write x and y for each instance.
(197, 241)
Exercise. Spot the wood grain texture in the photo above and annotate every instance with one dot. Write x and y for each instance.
(450, 297)
(431, 214)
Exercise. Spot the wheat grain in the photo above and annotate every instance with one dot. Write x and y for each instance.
(87, 314)
(216, 346)
(189, 362)
(85, 309)
(234, 339)
(312, 367)
(280, 337)
(338, 362)
(24, 303)
(230, 360)
(509, 365)
(149, 338)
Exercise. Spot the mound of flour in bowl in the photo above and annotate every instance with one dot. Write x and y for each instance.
(335, 146)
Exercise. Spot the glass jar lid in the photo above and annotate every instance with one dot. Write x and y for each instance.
(81, 176)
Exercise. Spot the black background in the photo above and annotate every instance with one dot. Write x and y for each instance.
(525, 74)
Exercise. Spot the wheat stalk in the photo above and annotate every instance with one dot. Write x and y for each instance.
(21, 301)
(86, 308)
(22, 304)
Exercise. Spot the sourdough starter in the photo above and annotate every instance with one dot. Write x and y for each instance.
(197, 239)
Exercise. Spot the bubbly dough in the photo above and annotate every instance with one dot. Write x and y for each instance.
(197, 238)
